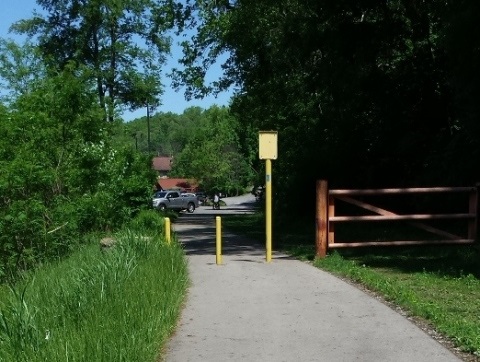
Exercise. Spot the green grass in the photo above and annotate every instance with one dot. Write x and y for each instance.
(121, 304)
(438, 285)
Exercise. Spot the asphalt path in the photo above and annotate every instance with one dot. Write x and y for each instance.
(248, 309)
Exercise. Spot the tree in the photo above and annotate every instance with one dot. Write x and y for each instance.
(61, 178)
(20, 68)
(360, 91)
(462, 43)
(121, 44)
(212, 154)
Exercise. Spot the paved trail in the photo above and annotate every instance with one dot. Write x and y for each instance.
(249, 310)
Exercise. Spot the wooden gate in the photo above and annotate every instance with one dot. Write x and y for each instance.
(326, 218)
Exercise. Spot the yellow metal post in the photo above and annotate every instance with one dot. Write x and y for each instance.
(218, 222)
(268, 207)
(267, 150)
(167, 230)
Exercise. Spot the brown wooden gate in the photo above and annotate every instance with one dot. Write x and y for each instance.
(326, 218)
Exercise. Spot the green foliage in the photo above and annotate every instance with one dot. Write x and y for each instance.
(148, 222)
(212, 154)
(20, 66)
(87, 308)
(118, 184)
(206, 145)
(363, 94)
(119, 45)
(168, 132)
(60, 177)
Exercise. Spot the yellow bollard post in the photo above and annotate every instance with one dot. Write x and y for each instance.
(218, 222)
(167, 230)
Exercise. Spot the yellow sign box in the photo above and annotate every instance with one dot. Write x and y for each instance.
(267, 145)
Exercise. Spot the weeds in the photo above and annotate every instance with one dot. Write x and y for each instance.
(116, 305)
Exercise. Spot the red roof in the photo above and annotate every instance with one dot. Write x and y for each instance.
(173, 183)
(162, 163)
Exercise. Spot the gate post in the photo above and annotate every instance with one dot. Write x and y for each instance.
(474, 208)
(321, 216)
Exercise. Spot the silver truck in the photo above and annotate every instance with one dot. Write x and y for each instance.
(173, 200)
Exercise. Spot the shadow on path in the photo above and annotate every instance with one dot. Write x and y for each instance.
(197, 231)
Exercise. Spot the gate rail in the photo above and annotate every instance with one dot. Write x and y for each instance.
(326, 219)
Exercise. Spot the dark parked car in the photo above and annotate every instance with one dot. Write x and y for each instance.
(201, 196)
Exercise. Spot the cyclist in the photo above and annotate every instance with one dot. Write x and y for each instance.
(216, 201)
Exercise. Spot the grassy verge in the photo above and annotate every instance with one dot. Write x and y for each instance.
(437, 286)
(119, 304)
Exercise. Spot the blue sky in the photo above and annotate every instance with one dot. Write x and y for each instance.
(11, 11)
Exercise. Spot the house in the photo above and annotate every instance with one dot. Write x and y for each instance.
(162, 164)
(183, 184)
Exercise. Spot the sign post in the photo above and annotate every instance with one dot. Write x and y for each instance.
(267, 141)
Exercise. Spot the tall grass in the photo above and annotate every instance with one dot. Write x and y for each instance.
(115, 305)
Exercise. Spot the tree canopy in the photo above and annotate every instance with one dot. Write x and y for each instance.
(362, 93)
(205, 146)
(121, 44)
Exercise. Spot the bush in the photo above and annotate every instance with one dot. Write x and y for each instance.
(148, 222)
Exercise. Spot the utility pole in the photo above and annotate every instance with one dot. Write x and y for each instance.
(148, 129)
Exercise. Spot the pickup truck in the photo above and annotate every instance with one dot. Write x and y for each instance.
(173, 200)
